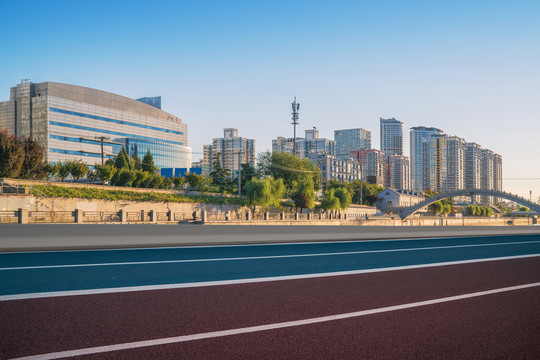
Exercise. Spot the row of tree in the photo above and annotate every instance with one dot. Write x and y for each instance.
(475, 210)
(277, 176)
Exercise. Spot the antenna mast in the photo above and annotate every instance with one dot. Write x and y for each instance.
(295, 108)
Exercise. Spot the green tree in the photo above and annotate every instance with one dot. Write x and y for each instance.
(77, 169)
(194, 180)
(155, 181)
(32, 166)
(330, 201)
(137, 163)
(148, 163)
(63, 170)
(206, 185)
(167, 183)
(219, 175)
(50, 170)
(105, 172)
(122, 160)
(123, 177)
(304, 192)
(178, 182)
(344, 196)
(247, 173)
(92, 175)
(290, 168)
(264, 162)
(11, 155)
(140, 178)
(265, 192)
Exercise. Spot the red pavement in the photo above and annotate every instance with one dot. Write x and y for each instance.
(505, 326)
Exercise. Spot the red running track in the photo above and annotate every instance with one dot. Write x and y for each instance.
(497, 326)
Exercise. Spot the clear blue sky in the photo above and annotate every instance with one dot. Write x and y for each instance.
(471, 68)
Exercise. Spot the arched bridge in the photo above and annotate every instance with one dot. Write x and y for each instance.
(405, 212)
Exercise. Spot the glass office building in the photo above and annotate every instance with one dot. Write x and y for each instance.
(71, 122)
(392, 136)
(348, 140)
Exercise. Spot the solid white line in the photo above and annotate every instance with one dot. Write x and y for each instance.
(261, 257)
(245, 281)
(281, 325)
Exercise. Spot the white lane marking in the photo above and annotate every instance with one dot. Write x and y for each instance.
(280, 243)
(246, 281)
(281, 325)
(263, 257)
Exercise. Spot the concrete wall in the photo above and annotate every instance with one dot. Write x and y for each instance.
(33, 203)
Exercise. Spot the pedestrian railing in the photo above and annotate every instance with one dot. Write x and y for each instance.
(9, 217)
(101, 216)
(51, 217)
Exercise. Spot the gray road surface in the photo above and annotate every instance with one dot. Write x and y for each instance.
(15, 237)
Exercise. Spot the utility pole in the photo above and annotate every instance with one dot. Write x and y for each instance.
(239, 173)
(295, 108)
(102, 138)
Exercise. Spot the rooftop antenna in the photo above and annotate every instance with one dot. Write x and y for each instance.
(24, 81)
(295, 108)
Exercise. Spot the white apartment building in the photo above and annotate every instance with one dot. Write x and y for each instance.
(312, 143)
(397, 172)
(336, 169)
(232, 151)
(371, 162)
(417, 136)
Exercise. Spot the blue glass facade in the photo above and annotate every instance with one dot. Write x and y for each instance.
(165, 155)
(113, 132)
(121, 122)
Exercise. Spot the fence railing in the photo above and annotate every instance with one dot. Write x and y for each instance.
(51, 217)
(9, 217)
(101, 216)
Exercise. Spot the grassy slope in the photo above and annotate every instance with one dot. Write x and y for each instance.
(96, 193)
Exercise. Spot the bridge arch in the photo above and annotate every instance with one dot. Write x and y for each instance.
(405, 212)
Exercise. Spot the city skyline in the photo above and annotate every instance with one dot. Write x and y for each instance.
(469, 69)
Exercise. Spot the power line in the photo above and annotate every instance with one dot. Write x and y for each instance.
(290, 169)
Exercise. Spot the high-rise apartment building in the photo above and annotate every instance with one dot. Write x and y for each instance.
(418, 135)
(455, 163)
(312, 143)
(348, 140)
(71, 121)
(434, 163)
(473, 167)
(371, 162)
(397, 172)
(232, 151)
(343, 170)
(491, 174)
(391, 136)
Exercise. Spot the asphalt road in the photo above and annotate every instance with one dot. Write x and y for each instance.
(15, 237)
(443, 298)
